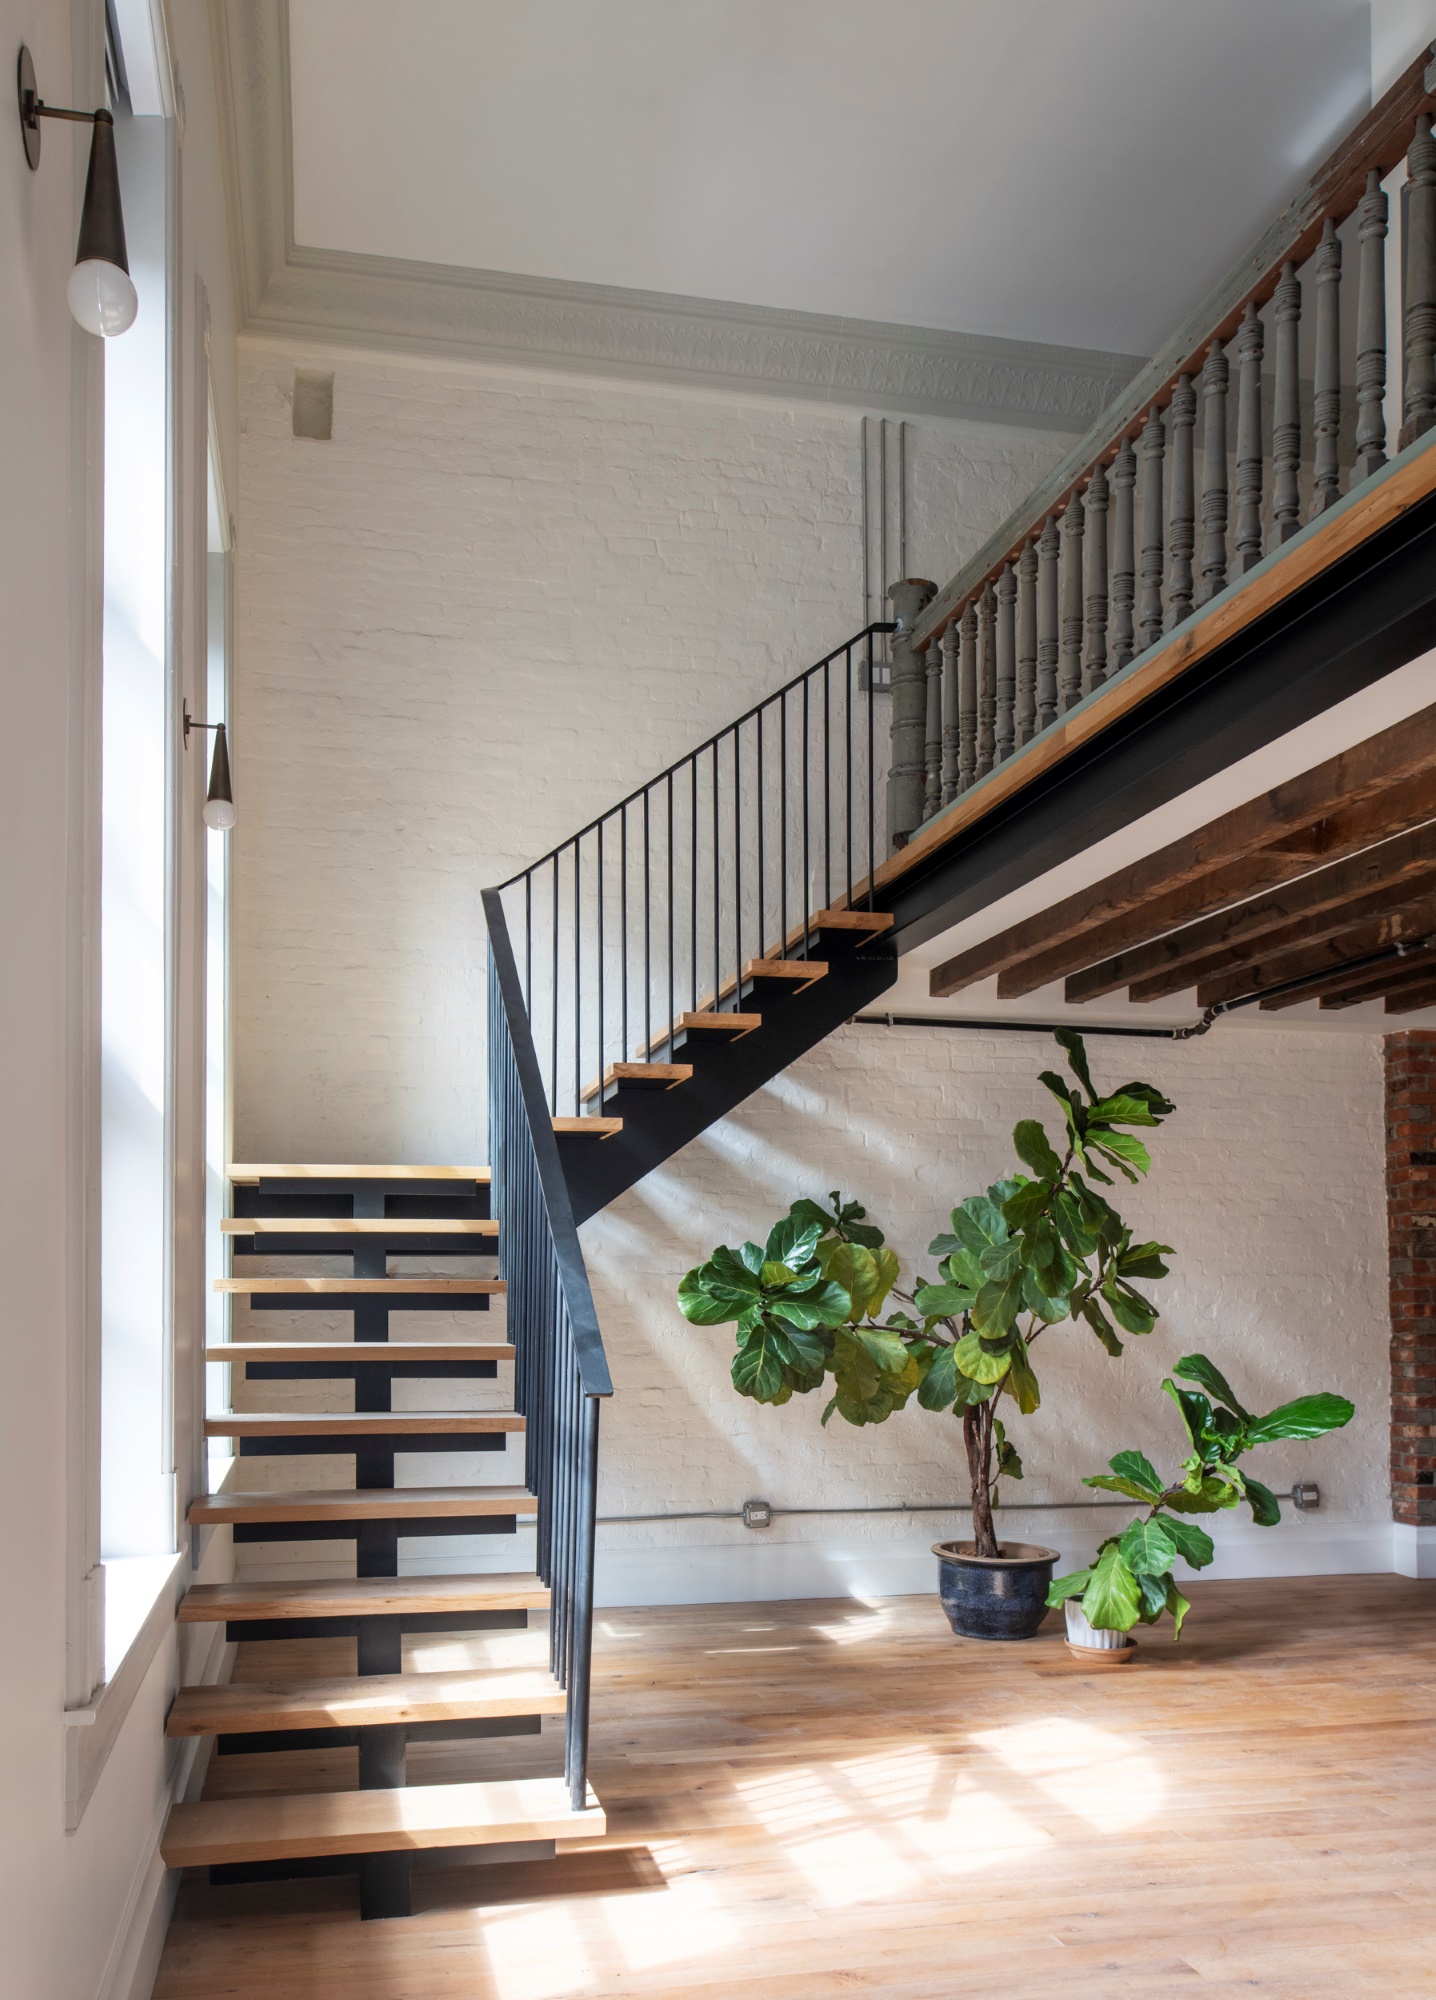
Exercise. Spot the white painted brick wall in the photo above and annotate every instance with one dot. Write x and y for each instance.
(487, 608)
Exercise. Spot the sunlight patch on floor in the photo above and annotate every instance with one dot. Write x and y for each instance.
(684, 1921)
(537, 1956)
(1093, 1773)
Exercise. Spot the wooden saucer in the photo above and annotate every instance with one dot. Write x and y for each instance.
(1102, 1656)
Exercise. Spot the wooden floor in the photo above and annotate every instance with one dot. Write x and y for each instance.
(822, 1798)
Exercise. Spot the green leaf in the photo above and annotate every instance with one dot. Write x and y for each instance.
(829, 1305)
(1130, 1310)
(1194, 1545)
(1196, 1411)
(997, 1306)
(1120, 1146)
(1196, 1368)
(965, 1269)
(1307, 1417)
(1009, 1465)
(1079, 1238)
(1035, 1150)
(1178, 1606)
(976, 1363)
(886, 1266)
(1075, 1049)
(1063, 1587)
(1148, 1549)
(800, 1314)
(1122, 1108)
(938, 1388)
(808, 1214)
(852, 1267)
(935, 1301)
(978, 1224)
(773, 1277)
(1144, 1260)
(1102, 1327)
(731, 1267)
(1134, 1465)
(1153, 1590)
(757, 1371)
(1053, 1311)
(1063, 1093)
(1112, 1598)
(1021, 1380)
(698, 1303)
(885, 1349)
(749, 1258)
(792, 1241)
(1022, 1209)
(1263, 1502)
(1212, 1497)
(1118, 1484)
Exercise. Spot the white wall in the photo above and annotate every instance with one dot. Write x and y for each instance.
(79, 1912)
(493, 603)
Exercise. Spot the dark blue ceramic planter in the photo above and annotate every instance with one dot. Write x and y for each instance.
(994, 1597)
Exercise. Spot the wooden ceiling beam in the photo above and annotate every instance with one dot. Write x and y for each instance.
(1408, 926)
(1323, 924)
(1357, 988)
(1316, 816)
(1385, 867)
(1408, 804)
(1411, 998)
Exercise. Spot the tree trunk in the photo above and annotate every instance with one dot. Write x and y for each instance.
(977, 1436)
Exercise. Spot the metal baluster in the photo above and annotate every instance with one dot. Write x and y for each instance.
(872, 779)
(1049, 548)
(578, 984)
(827, 793)
(1214, 472)
(1419, 377)
(602, 1018)
(848, 789)
(1124, 555)
(1006, 663)
(807, 763)
(623, 927)
(932, 745)
(1154, 445)
(647, 934)
(1286, 428)
(967, 699)
(986, 679)
(1071, 673)
(1182, 528)
(1250, 342)
(783, 817)
(762, 799)
(1326, 480)
(693, 880)
(1095, 670)
(1027, 643)
(1371, 329)
(553, 994)
(951, 715)
(717, 890)
(738, 866)
(672, 1010)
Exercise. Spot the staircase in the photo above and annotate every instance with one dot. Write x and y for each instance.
(371, 1214)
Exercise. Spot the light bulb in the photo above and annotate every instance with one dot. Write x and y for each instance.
(102, 297)
(219, 814)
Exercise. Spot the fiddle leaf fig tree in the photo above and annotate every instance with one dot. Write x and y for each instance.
(1131, 1578)
(1035, 1251)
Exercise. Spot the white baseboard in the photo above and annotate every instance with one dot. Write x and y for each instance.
(1413, 1550)
(761, 1569)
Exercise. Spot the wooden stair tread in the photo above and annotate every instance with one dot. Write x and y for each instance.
(804, 971)
(360, 1597)
(364, 1503)
(249, 1176)
(587, 1128)
(708, 1022)
(358, 1423)
(290, 1826)
(233, 1351)
(875, 921)
(356, 1225)
(373, 1700)
(639, 1075)
(419, 1286)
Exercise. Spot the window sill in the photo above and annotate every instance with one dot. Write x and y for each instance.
(136, 1623)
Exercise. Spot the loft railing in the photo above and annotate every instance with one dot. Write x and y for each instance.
(656, 908)
(560, 1370)
(1129, 536)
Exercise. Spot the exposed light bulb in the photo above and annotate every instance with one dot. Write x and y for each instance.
(102, 297)
(219, 814)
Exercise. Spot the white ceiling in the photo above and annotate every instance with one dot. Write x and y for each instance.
(1076, 171)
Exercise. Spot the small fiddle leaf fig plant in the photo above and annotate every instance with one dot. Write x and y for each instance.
(1131, 1580)
(1034, 1251)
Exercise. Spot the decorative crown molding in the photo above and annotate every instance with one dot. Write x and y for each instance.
(287, 289)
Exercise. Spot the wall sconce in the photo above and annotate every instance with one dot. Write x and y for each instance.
(101, 292)
(219, 799)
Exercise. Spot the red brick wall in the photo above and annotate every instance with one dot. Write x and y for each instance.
(1411, 1217)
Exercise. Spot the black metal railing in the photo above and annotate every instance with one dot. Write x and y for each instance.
(560, 1369)
(656, 907)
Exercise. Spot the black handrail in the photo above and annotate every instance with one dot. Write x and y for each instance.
(560, 1369)
(655, 906)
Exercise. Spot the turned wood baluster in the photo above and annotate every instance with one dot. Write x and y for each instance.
(1326, 482)
(1182, 534)
(1027, 644)
(1214, 472)
(1095, 670)
(1371, 330)
(1248, 526)
(1286, 427)
(1154, 446)
(986, 679)
(1006, 662)
(1048, 564)
(1419, 390)
(951, 715)
(1124, 555)
(967, 700)
(1071, 667)
(932, 786)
